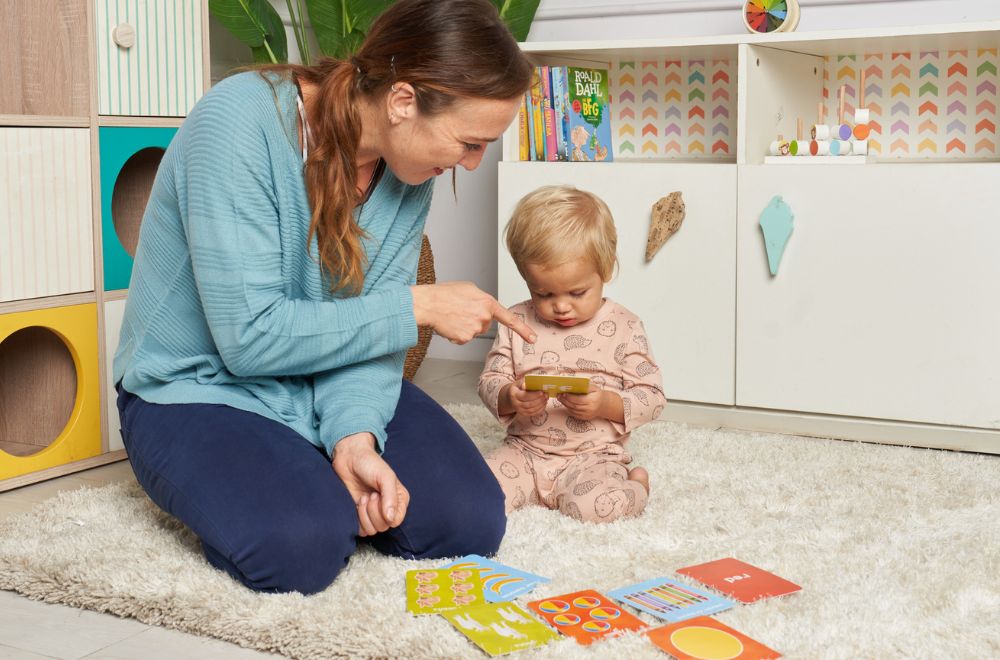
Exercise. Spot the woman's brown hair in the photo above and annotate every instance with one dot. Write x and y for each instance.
(446, 50)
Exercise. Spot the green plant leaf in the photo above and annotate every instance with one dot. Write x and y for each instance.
(255, 23)
(341, 25)
(518, 15)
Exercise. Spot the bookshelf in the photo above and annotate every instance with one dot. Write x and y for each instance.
(876, 326)
(97, 91)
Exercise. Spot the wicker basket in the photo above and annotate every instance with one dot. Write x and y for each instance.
(425, 275)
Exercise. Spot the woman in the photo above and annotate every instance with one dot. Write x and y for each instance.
(272, 304)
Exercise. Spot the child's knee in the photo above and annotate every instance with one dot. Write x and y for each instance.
(514, 478)
(605, 502)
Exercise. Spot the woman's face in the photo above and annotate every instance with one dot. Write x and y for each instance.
(419, 147)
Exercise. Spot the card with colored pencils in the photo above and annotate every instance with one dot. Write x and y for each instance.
(670, 600)
(740, 580)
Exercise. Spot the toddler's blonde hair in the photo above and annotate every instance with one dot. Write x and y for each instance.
(556, 224)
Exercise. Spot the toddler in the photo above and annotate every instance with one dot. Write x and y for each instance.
(569, 452)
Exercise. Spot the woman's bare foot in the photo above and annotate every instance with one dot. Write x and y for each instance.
(639, 474)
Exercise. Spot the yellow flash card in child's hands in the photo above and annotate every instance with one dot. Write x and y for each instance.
(556, 385)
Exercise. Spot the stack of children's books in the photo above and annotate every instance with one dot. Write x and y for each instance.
(565, 115)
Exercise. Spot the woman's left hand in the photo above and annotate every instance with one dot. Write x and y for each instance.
(378, 494)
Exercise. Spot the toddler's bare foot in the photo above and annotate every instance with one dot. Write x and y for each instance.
(639, 474)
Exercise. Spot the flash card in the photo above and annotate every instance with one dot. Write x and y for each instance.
(556, 385)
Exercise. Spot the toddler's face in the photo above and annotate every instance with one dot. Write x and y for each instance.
(568, 294)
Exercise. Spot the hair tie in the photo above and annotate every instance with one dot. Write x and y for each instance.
(354, 63)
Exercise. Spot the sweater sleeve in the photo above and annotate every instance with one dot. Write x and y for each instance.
(229, 199)
(498, 372)
(642, 395)
(362, 397)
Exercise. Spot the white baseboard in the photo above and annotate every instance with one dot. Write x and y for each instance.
(829, 426)
(474, 351)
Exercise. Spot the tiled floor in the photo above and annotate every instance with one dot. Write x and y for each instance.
(30, 630)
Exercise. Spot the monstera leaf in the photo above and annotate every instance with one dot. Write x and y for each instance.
(255, 23)
(518, 15)
(341, 25)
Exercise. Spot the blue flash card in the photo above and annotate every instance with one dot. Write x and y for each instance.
(670, 600)
(500, 583)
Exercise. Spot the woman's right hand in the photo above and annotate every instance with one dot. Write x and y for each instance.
(458, 311)
(379, 496)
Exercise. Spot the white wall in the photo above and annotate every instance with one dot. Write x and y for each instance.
(463, 234)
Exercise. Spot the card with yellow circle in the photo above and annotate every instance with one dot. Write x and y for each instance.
(586, 616)
(704, 638)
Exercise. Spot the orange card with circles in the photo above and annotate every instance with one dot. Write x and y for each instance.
(704, 638)
(586, 616)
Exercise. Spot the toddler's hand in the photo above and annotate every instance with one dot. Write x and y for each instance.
(524, 402)
(584, 406)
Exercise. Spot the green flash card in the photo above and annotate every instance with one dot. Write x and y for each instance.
(429, 591)
(500, 628)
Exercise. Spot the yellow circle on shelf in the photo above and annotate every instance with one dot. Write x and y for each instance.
(706, 643)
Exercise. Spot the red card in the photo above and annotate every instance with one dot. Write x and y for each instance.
(740, 580)
(586, 616)
(704, 637)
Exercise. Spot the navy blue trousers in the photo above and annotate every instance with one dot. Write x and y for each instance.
(270, 510)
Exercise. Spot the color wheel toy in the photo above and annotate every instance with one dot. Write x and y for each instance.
(765, 16)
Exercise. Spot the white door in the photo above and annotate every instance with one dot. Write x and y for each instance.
(887, 301)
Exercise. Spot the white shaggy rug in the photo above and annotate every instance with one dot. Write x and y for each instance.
(897, 551)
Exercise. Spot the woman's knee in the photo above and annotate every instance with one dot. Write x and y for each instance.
(474, 523)
(304, 558)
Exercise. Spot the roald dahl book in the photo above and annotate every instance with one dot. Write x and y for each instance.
(589, 125)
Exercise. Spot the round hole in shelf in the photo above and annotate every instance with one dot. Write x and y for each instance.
(758, 61)
(132, 187)
(37, 390)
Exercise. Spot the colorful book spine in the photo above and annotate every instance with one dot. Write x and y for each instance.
(523, 147)
(538, 123)
(529, 110)
(558, 75)
(589, 116)
(548, 115)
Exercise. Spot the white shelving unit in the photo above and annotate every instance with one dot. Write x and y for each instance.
(881, 323)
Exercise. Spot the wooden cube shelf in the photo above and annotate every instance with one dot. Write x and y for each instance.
(130, 156)
(150, 56)
(44, 58)
(49, 389)
(114, 311)
(45, 213)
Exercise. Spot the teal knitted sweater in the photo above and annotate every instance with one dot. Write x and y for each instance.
(228, 303)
